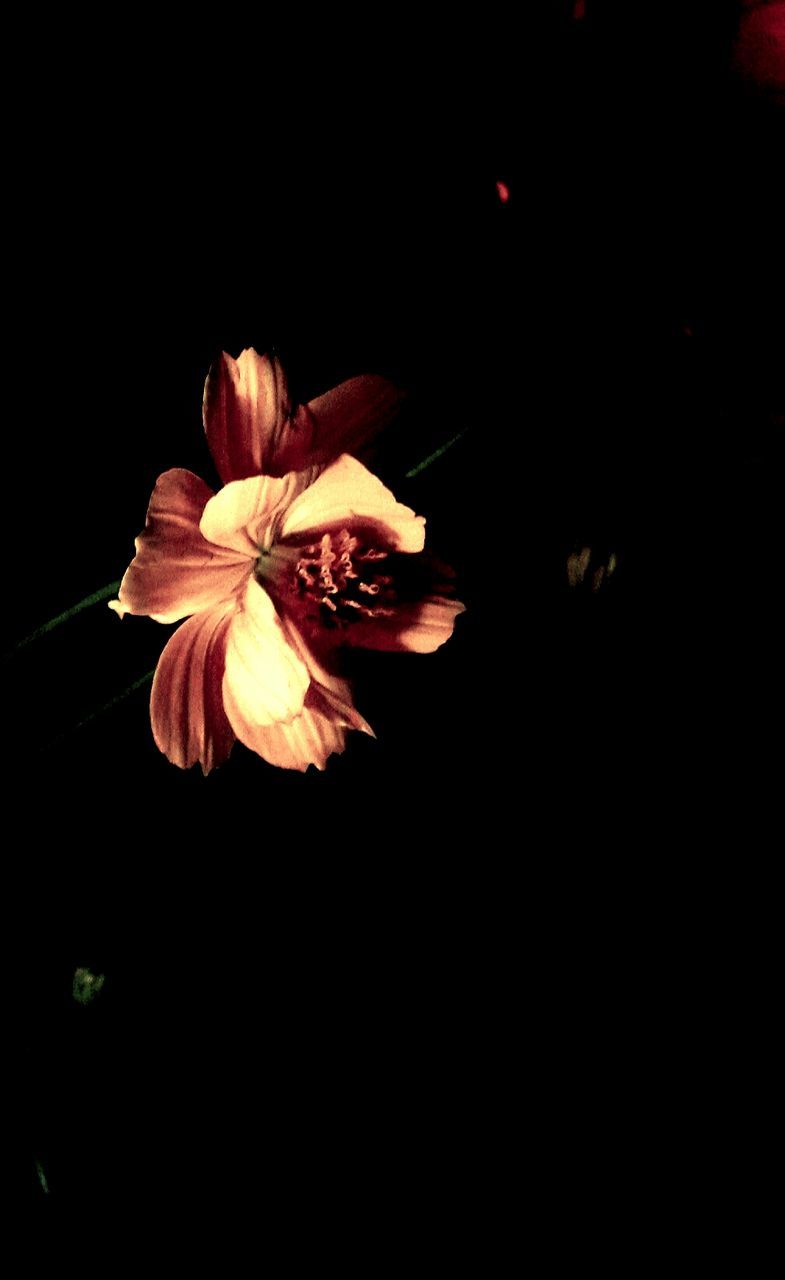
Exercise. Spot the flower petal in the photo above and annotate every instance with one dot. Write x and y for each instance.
(416, 627)
(265, 681)
(335, 691)
(186, 707)
(246, 408)
(343, 420)
(244, 514)
(318, 731)
(311, 738)
(347, 494)
(430, 624)
(175, 571)
(252, 427)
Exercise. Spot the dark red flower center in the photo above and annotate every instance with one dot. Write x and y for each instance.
(338, 581)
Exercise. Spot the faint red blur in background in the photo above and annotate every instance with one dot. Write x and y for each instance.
(759, 47)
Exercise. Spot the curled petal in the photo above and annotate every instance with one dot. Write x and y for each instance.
(347, 494)
(244, 515)
(175, 571)
(246, 409)
(186, 707)
(265, 681)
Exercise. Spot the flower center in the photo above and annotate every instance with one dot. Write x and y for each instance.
(338, 582)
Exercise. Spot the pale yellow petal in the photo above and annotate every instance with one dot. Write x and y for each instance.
(265, 681)
(245, 514)
(347, 495)
(310, 739)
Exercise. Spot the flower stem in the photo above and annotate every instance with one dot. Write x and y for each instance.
(437, 453)
(147, 678)
(39, 1168)
(97, 596)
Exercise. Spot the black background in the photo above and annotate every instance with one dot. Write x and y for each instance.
(503, 947)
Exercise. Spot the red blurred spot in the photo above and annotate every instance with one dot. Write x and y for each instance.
(504, 191)
(759, 50)
(579, 10)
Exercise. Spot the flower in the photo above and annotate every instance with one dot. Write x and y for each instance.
(301, 553)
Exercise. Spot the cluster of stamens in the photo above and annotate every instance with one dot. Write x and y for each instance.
(338, 575)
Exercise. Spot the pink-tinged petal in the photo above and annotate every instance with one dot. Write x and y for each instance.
(265, 681)
(186, 706)
(343, 420)
(246, 408)
(419, 627)
(318, 731)
(175, 571)
(244, 515)
(347, 495)
(335, 691)
(311, 738)
(252, 427)
(430, 625)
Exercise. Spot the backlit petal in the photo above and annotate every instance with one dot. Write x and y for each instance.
(311, 738)
(265, 681)
(343, 420)
(175, 571)
(347, 495)
(246, 407)
(318, 731)
(243, 515)
(186, 707)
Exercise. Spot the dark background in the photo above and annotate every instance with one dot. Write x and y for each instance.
(508, 944)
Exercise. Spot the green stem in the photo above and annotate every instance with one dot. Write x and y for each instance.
(104, 593)
(147, 678)
(39, 1168)
(437, 453)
